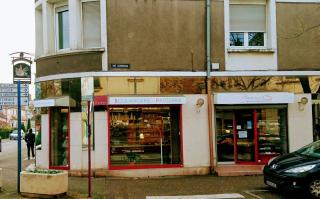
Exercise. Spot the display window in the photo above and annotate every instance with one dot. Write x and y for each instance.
(251, 135)
(145, 136)
(59, 138)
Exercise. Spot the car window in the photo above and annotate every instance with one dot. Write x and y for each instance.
(312, 150)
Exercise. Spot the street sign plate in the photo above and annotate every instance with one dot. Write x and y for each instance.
(12, 88)
(13, 101)
(14, 94)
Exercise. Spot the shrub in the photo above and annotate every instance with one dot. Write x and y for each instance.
(4, 133)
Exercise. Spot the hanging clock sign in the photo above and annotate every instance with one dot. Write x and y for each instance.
(22, 72)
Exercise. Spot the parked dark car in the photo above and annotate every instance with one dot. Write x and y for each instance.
(299, 170)
(14, 135)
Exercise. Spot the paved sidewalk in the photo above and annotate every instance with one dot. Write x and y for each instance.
(137, 188)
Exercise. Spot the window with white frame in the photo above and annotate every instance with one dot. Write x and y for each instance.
(91, 34)
(62, 28)
(248, 25)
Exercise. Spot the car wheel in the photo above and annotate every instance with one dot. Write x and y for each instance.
(314, 188)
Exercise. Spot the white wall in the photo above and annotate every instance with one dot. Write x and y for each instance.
(75, 141)
(300, 123)
(101, 139)
(195, 132)
(249, 59)
(42, 156)
(79, 155)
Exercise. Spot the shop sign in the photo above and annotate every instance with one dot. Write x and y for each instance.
(254, 98)
(146, 100)
(22, 73)
(43, 103)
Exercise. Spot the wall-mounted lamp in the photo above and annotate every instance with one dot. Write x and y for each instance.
(302, 102)
(199, 104)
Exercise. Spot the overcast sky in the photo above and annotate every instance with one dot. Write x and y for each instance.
(16, 33)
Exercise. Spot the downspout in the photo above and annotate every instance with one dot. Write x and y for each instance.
(208, 63)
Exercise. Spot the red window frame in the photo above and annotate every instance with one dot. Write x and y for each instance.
(59, 167)
(145, 166)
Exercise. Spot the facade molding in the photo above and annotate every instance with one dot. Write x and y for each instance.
(70, 52)
(177, 74)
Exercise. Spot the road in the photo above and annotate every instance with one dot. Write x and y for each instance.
(9, 162)
(186, 187)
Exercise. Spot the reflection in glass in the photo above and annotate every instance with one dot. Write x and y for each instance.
(225, 138)
(256, 38)
(63, 29)
(236, 38)
(59, 136)
(245, 135)
(144, 135)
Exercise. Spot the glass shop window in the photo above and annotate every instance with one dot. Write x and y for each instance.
(59, 132)
(145, 135)
(272, 131)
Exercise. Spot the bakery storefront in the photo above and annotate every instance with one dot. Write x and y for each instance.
(251, 128)
(145, 132)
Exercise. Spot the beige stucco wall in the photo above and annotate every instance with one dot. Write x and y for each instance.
(298, 36)
(299, 123)
(157, 35)
(69, 63)
(217, 33)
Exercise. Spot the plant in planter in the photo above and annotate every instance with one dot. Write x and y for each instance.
(43, 183)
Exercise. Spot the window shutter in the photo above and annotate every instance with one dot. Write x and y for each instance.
(91, 24)
(247, 18)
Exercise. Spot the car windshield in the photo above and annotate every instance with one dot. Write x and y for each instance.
(312, 150)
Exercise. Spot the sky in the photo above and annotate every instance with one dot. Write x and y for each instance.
(17, 33)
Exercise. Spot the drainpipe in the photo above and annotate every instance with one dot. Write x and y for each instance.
(208, 63)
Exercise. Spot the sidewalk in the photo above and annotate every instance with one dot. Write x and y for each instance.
(136, 188)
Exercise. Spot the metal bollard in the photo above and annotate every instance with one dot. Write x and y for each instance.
(0, 144)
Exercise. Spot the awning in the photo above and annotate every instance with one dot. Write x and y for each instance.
(254, 98)
(139, 100)
(55, 101)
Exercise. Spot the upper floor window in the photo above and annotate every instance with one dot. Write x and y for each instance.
(62, 28)
(91, 33)
(247, 25)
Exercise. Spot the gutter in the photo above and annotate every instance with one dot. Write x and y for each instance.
(209, 91)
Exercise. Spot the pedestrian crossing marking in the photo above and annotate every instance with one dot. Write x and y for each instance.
(214, 196)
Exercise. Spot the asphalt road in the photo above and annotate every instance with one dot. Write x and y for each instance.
(250, 187)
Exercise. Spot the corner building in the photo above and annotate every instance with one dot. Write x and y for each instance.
(178, 87)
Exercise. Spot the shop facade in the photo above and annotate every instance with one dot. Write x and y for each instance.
(148, 134)
(132, 134)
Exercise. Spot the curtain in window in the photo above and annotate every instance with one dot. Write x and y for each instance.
(91, 24)
(247, 18)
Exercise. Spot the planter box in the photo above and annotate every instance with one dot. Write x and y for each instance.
(43, 184)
